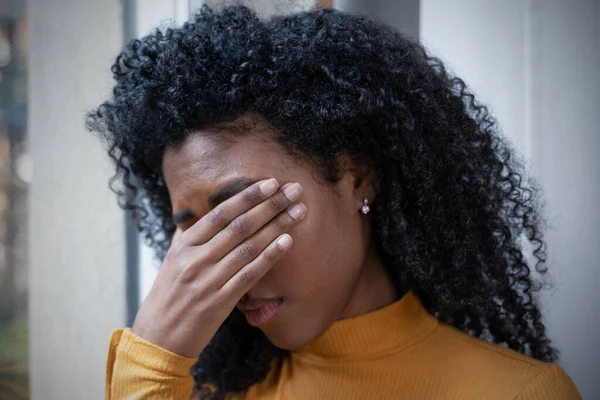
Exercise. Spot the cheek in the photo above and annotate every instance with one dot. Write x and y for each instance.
(327, 255)
(317, 277)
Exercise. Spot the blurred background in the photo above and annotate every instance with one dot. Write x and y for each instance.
(72, 267)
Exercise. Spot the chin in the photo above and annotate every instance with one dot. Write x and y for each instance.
(287, 342)
(294, 336)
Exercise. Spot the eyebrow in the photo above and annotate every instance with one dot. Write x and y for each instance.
(225, 192)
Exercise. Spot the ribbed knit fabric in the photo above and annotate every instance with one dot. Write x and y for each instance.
(137, 369)
(396, 352)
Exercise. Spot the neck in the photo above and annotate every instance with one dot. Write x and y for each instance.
(384, 331)
(374, 288)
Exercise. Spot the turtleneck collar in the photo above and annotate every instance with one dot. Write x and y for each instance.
(379, 332)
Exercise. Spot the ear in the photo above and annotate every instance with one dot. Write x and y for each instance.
(360, 171)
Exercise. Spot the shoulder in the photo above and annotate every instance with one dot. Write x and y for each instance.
(497, 369)
(551, 384)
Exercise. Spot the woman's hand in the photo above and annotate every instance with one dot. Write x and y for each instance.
(211, 265)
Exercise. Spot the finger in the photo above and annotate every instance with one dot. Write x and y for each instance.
(247, 224)
(222, 215)
(176, 235)
(235, 288)
(247, 251)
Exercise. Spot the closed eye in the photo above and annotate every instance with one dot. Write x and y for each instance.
(184, 216)
(230, 189)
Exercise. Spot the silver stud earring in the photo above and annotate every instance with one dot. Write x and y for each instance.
(365, 208)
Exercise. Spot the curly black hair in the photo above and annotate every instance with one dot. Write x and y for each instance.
(454, 210)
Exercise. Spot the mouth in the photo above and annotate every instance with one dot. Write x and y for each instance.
(260, 311)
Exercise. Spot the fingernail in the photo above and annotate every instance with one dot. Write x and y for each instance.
(285, 242)
(293, 192)
(298, 211)
(268, 187)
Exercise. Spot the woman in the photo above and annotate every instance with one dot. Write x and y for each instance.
(337, 216)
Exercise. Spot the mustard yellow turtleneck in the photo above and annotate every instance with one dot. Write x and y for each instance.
(396, 352)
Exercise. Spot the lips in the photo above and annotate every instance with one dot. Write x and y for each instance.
(260, 311)
(253, 304)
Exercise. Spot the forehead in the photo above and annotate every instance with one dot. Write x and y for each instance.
(207, 159)
(218, 153)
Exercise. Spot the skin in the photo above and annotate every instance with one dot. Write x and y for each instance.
(331, 271)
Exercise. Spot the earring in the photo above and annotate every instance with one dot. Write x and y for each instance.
(365, 208)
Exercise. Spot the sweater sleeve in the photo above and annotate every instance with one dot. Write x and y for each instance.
(551, 384)
(137, 369)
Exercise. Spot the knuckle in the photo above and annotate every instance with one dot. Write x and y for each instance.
(277, 202)
(284, 222)
(186, 273)
(252, 195)
(201, 289)
(245, 277)
(239, 226)
(188, 265)
(247, 250)
(184, 238)
(175, 251)
(192, 235)
(215, 216)
(271, 254)
(186, 276)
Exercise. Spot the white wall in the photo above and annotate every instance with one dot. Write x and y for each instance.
(401, 14)
(77, 255)
(267, 8)
(485, 43)
(565, 93)
(535, 62)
